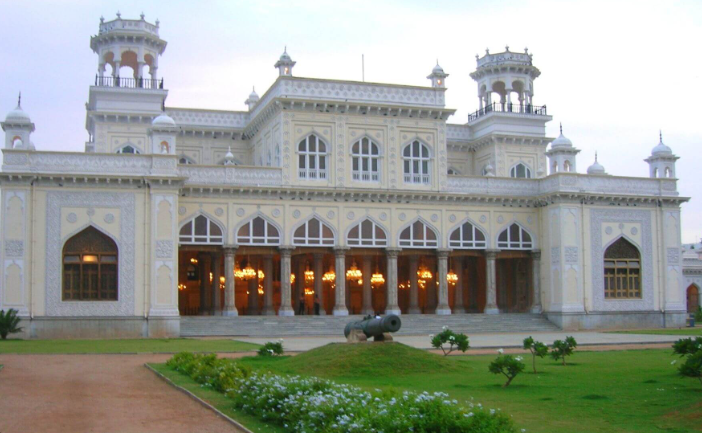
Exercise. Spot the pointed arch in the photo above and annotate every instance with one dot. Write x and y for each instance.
(467, 235)
(314, 232)
(312, 157)
(185, 160)
(129, 148)
(201, 230)
(90, 264)
(416, 156)
(622, 270)
(520, 170)
(258, 230)
(365, 158)
(515, 237)
(367, 233)
(418, 234)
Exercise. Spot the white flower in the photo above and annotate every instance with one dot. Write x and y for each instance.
(500, 351)
(674, 362)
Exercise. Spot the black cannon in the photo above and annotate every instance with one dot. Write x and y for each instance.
(378, 328)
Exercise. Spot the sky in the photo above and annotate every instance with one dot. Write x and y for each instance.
(613, 72)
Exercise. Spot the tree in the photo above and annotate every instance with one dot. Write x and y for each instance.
(9, 323)
(455, 341)
(692, 351)
(507, 365)
(563, 348)
(536, 348)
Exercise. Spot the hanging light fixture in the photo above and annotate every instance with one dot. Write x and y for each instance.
(260, 289)
(193, 261)
(309, 292)
(222, 280)
(248, 272)
(261, 275)
(354, 273)
(238, 274)
(329, 276)
(181, 286)
(424, 274)
(292, 278)
(377, 278)
(451, 277)
(309, 275)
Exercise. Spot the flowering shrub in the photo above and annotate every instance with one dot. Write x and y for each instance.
(315, 405)
(271, 349)
(563, 348)
(208, 370)
(536, 348)
(453, 340)
(692, 351)
(508, 365)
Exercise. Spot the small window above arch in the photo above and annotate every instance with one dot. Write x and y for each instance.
(313, 232)
(367, 234)
(258, 231)
(418, 235)
(520, 171)
(201, 230)
(515, 237)
(129, 148)
(467, 236)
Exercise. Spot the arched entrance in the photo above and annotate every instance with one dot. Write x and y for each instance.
(693, 298)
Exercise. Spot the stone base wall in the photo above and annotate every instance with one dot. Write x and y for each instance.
(99, 327)
(617, 320)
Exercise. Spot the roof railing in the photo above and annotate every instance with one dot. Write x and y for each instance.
(526, 109)
(128, 83)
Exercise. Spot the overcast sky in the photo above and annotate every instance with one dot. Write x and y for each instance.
(613, 72)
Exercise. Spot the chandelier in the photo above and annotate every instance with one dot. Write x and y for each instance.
(248, 272)
(261, 274)
(354, 273)
(181, 287)
(238, 274)
(309, 275)
(452, 277)
(292, 278)
(260, 289)
(377, 278)
(422, 284)
(309, 292)
(329, 276)
(424, 274)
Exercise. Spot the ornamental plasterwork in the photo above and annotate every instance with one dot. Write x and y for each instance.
(673, 255)
(59, 162)
(164, 249)
(555, 256)
(14, 248)
(125, 202)
(571, 255)
(597, 218)
(231, 175)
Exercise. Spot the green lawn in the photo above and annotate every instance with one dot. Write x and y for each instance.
(623, 391)
(696, 331)
(145, 345)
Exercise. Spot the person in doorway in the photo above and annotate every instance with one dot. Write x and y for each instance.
(316, 304)
(301, 306)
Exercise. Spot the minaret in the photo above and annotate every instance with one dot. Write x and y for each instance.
(661, 163)
(438, 76)
(163, 133)
(18, 128)
(562, 155)
(252, 100)
(285, 64)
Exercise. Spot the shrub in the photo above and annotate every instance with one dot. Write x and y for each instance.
(536, 348)
(8, 323)
(271, 349)
(453, 340)
(563, 348)
(692, 351)
(687, 346)
(208, 370)
(698, 315)
(507, 365)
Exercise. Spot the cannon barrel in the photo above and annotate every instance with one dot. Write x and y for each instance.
(375, 327)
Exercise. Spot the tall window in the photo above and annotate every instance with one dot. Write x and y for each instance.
(128, 148)
(418, 235)
(269, 158)
(520, 171)
(367, 234)
(258, 232)
(90, 267)
(467, 236)
(313, 232)
(515, 237)
(366, 158)
(622, 271)
(201, 230)
(312, 158)
(416, 158)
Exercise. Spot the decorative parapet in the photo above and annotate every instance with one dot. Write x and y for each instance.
(209, 118)
(506, 57)
(497, 186)
(136, 25)
(231, 175)
(458, 132)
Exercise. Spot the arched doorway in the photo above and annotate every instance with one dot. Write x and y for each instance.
(693, 298)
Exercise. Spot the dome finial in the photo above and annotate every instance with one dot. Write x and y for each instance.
(595, 156)
(19, 100)
(561, 126)
(142, 15)
(660, 135)
(119, 15)
(507, 48)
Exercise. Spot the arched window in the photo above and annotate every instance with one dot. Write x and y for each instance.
(313, 232)
(622, 271)
(201, 230)
(515, 237)
(90, 267)
(418, 235)
(277, 155)
(365, 157)
(269, 159)
(367, 234)
(520, 171)
(667, 172)
(555, 167)
(312, 158)
(258, 231)
(566, 166)
(128, 148)
(185, 160)
(416, 158)
(467, 236)
(655, 172)
(452, 171)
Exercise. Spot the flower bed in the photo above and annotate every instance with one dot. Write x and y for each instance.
(315, 405)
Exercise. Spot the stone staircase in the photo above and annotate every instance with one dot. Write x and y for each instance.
(420, 324)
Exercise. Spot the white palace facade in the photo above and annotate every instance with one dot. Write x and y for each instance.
(358, 197)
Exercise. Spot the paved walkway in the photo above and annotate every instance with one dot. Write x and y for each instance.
(484, 341)
(96, 393)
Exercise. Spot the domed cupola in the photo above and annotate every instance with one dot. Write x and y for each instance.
(285, 64)
(562, 155)
(438, 76)
(163, 119)
(18, 128)
(163, 133)
(596, 167)
(661, 163)
(252, 100)
(229, 157)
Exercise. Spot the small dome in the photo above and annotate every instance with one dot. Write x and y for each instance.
(163, 120)
(437, 69)
(285, 57)
(596, 167)
(661, 149)
(254, 95)
(18, 115)
(561, 141)
(489, 170)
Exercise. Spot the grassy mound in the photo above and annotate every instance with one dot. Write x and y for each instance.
(360, 360)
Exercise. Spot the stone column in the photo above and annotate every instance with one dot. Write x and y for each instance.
(204, 282)
(491, 277)
(318, 283)
(115, 69)
(413, 285)
(458, 304)
(268, 309)
(286, 308)
(442, 306)
(391, 306)
(340, 291)
(253, 291)
(216, 306)
(229, 297)
(536, 283)
(299, 284)
(367, 294)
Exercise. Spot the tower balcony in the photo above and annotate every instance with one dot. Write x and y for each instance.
(129, 82)
(522, 109)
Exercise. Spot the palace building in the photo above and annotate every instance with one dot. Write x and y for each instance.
(326, 196)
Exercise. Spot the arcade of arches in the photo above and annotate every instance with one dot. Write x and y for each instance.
(259, 276)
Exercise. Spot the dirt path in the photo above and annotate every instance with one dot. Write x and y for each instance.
(95, 393)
